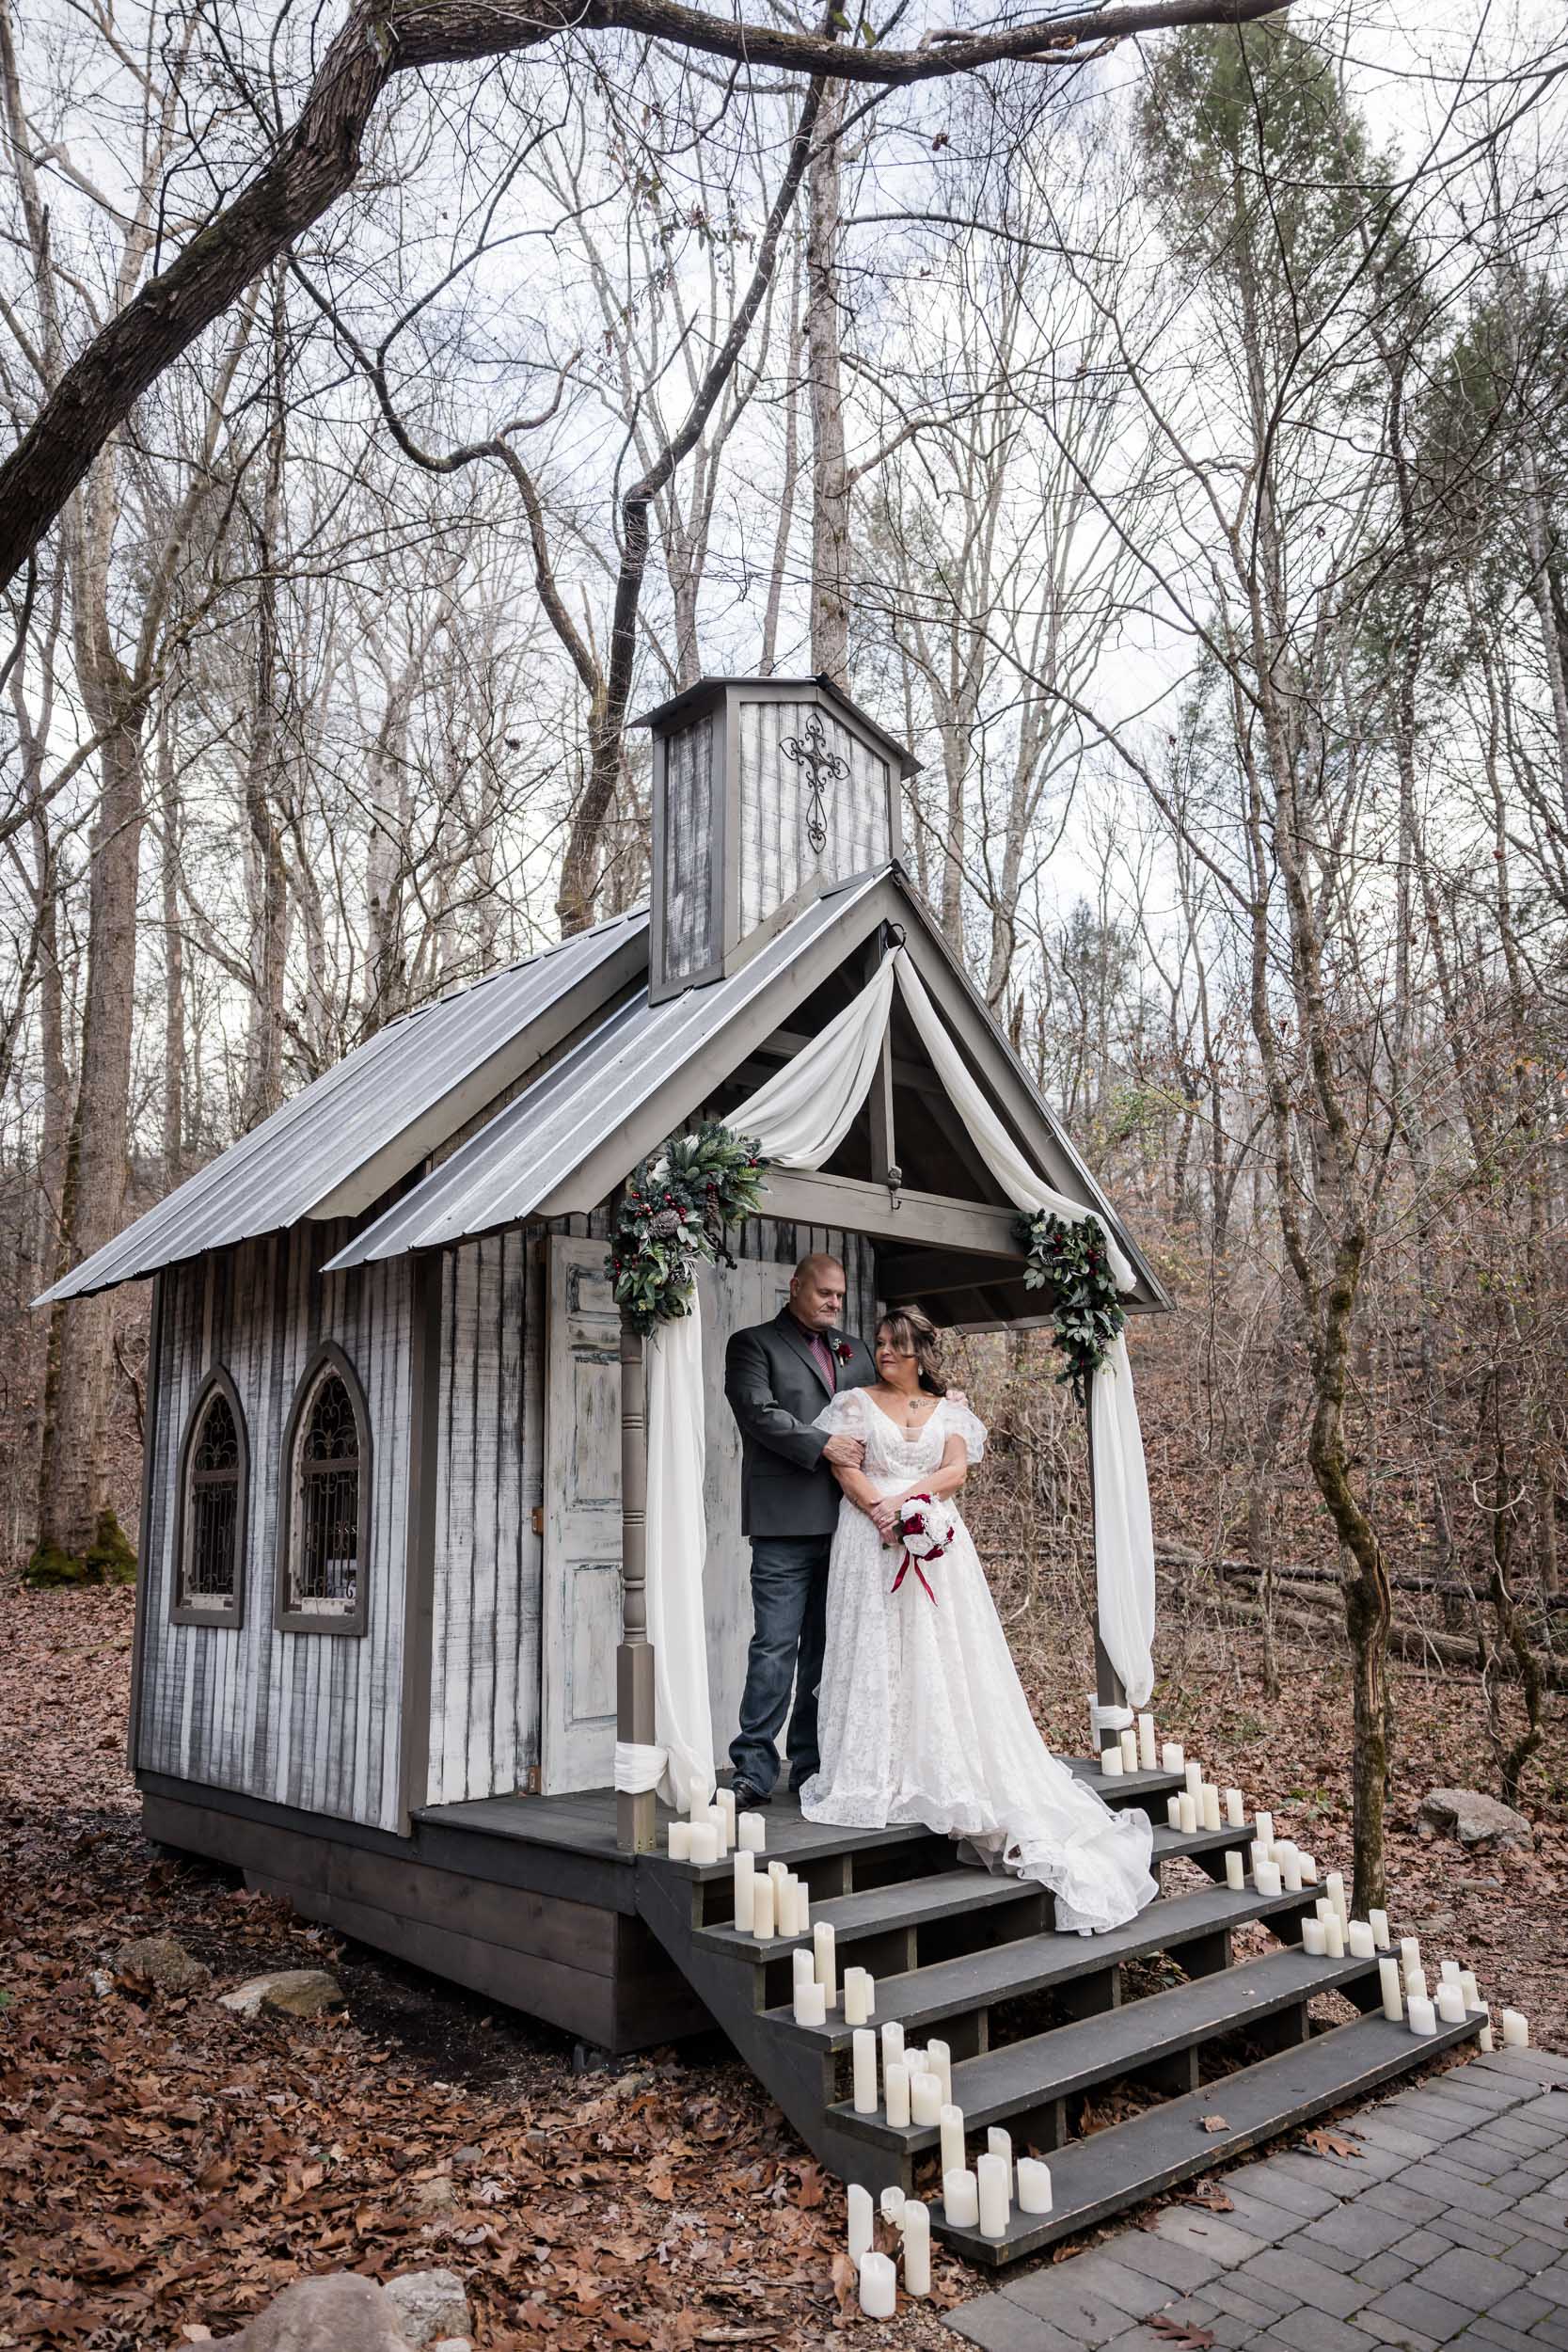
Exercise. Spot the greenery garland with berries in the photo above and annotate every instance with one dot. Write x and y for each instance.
(672, 1219)
(1086, 1313)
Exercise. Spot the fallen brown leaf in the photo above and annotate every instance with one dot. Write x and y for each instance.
(1215, 2124)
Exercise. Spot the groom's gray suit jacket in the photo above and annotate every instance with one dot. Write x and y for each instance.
(776, 1390)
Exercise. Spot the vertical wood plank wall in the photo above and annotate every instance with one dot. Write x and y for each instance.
(310, 1720)
(776, 857)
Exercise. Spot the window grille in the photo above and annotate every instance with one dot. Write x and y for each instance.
(213, 1508)
(326, 1521)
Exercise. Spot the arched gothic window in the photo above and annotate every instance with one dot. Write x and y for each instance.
(326, 1489)
(211, 1508)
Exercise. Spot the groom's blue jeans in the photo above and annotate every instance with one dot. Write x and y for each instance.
(789, 1611)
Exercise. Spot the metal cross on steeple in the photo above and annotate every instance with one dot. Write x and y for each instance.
(809, 750)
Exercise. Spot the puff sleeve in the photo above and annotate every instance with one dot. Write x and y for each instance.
(844, 1415)
(962, 1423)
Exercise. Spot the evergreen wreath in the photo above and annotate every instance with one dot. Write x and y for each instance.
(1071, 1261)
(672, 1218)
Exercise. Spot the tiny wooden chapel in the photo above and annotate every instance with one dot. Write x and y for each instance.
(384, 1587)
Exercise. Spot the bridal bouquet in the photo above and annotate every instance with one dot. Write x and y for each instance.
(926, 1528)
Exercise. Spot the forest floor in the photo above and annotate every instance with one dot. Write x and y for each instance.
(168, 2167)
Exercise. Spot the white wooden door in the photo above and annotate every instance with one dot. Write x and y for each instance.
(583, 1521)
(582, 1509)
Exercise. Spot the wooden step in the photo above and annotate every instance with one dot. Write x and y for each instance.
(951, 1988)
(908, 1903)
(1026, 2075)
(1127, 2164)
(1125, 1788)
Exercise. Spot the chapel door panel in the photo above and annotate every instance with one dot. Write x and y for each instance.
(583, 1521)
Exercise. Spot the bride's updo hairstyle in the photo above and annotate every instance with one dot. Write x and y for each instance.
(913, 1333)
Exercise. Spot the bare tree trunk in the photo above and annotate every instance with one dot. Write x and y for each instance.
(263, 1089)
(174, 959)
(829, 551)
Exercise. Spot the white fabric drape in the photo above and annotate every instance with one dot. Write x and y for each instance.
(799, 1119)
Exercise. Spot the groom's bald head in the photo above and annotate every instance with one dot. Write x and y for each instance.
(817, 1292)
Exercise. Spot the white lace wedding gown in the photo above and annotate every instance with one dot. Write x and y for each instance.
(922, 1716)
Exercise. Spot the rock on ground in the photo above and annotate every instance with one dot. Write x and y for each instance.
(1475, 1820)
(162, 1960)
(293, 1991)
(431, 2305)
(338, 2313)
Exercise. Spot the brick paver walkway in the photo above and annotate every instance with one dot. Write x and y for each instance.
(1451, 2228)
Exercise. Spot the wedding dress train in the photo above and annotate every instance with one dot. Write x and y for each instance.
(922, 1716)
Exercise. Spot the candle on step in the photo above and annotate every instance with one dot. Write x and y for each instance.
(1194, 1777)
(762, 1910)
(809, 2009)
(952, 2122)
(994, 2177)
(1290, 1872)
(778, 1871)
(1410, 1955)
(1448, 1971)
(1173, 1812)
(1255, 1853)
(1111, 1765)
(726, 1798)
(1393, 2000)
(1451, 2005)
(1515, 2029)
(939, 2058)
(751, 1833)
(893, 2207)
(1172, 1756)
(917, 2248)
(705, 1842)
(856, 2011)
(1210, 1805)
(1485, 2039)
(1359, 1938)
(1333, 1887)
(879, 2286)
(1034, 2186)
(827, 1961)
(1378, 1922)
(915, 2060)
(893, 2042)
(925, 2100)
(1189, 1814)
(701, 1800)
(745, 1887)
(1267, 1880)
(1235, 1809)
(720, 1821)
(895, 2081)
(804, 1968)
(1000, 2143)
(1470, 1989)
(1423, 2017)
(860, 2222)
(960, 2197)
(1312, 1939)
(1145, 1743)
(1308, 1871)
(680, 1841)
(1333, 1936)
(1235, 1871)
(870, 1983)
(800, 1897)
(864, 2047)
(1262, 1829)
(1129, 1750)
(1415, 1983)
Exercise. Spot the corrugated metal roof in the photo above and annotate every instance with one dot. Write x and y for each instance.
(311, 1146)
(538, 1142)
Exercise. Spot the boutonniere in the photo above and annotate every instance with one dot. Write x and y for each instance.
(844, 1350)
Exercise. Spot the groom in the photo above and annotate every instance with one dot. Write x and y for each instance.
(778, 1376)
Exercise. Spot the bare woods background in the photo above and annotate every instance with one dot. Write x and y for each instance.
(1174, 449)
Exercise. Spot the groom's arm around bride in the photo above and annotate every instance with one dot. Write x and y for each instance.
(778, 1376)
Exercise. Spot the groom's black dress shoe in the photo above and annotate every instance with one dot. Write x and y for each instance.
(748, 1797)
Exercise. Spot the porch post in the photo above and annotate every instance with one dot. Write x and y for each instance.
(1109, 1688)
(634, 1659)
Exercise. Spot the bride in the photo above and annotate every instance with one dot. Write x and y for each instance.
(921, 1713)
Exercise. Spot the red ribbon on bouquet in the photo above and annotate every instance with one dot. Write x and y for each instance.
(915, 1524)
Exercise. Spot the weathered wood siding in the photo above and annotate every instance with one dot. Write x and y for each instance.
(775, 857)
(691, 842)
(309, 1720)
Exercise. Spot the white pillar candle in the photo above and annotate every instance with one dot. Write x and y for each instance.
(869, 1983)
(1448, 1972)
(1034, 2186)
(745, 1886)
(1410, 1954)
(1255, 1853)
(725, 1797)
(1172, 1758)
(993, 2174)
(1290, 1872)
(860, 2222)
(1308, 1871)
(1415, 1983)
(1484, 2038)
(1235, 1871)
(879, 2286)
(827, 1961)
(1000, 2143)
(803, 1908)
(1129, 1750)
(1359, 1939)
(1189, 1814)
(864, 2046)
(721, 1822)
(1145, 1743)
(1235, 1809)
(855, 2010)
(1333, 1936)
(939, 2058)
(705, 1842)
(1333, 1887)
(762, 1910)
(1111, 1764)
(700, 1802)
(893, 2207)
(1423, 2017)
(1515, 2029)
(751, 1833)
(1378, 1922)
(1262, 1829)
(680, 1841)
(1451, 2005)
(1195, 1776)
(809, 2009)
(1267, 1880)
(1389, 1977)
(895, 2081)
(1322, 1907)
(1470, 1989)
(917, 2248)
(1312, 1940)
(960, 2197)
(1173, 1812)
(915, 2062)
(803, 1967)
(952, 2121)
(893, 2042)
(926, 2099)
(1211, 1806)
(778, 1871)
